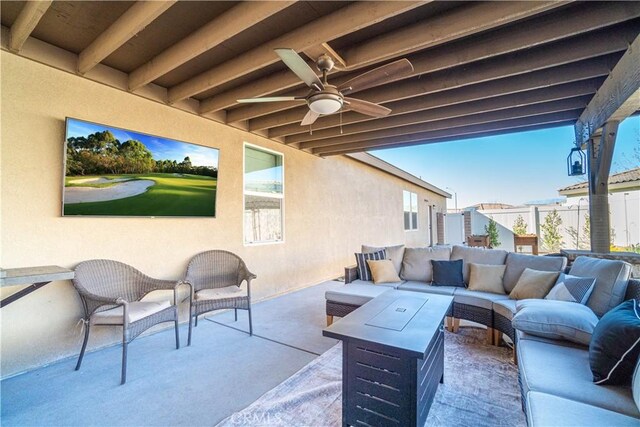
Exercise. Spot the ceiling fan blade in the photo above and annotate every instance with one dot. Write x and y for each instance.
(378, 76)
(272, 99)
(366, 107)
(298, 65)
(310, 118)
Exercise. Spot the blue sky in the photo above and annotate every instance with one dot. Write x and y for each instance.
(514, 169)
(161, 148)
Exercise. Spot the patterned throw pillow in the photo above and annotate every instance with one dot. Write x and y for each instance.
(572, 289)
(364, 273)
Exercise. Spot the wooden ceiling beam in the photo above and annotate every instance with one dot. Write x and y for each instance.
(223, 27)
(451, 25)
(314, 52)
(472, 131)
(504, 102)
(617, 99)
(576, 103)
(334, 25)
(572, 78)
(134, 20)
(531, 33)
(572, 50)
(26, 22)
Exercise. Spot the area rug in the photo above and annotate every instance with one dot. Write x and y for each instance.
(480, 389)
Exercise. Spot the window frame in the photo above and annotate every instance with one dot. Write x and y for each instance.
(412, 226)
(255, 193)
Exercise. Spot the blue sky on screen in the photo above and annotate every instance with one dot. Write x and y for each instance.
(516, 168)
(161, 148)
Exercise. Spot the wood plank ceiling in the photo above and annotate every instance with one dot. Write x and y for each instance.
(480, 68)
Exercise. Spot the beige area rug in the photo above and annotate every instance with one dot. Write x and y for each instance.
(480, 389)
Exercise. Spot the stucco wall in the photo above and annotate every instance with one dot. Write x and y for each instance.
(332, 206)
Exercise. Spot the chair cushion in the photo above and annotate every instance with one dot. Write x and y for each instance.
(447, 273)
(355, 293)
(564, 371)
(560, 320)
(364, 272)
(516, 263)
(383, 271)
(137, 310)
(615, 346)
(220, 293)
(544, 409)
(416, 264)
(612, 278)
(477, 298)
(505, 308)
(478, 255)
(534, 284)
(394, 253)
(486, 278)
(572, 289)
(427, 288)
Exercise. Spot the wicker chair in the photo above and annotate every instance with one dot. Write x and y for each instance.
(111, 291)
(216, 277)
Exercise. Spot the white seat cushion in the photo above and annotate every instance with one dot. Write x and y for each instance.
(393, 285)
(220, 293)
(355, 294)
(506, 308)
(137, 310)
(427, 288)
(477, 298)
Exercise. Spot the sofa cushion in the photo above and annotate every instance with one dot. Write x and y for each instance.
(427, 288)
(516, 263)
(544, 409)
(447, 273)
(486, 278)
(364, 272)
(355, 293)
(383, 271)
(534, 284)
(564, 371)
(137, 310)
(572, 289)
(478, 255)
(416, 264)
(615, 347)
(394, 253)
(611, 276)
(476, 298)
(559, 320)
(393, 285)
(505, 308)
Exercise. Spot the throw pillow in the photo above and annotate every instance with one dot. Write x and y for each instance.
(572, 289)
(383, 271)
(394, 253)
(615, 345)
(416, 264)
(447, 273)
(534, 284)
(559, 320)
(486, 278)
(364, 273)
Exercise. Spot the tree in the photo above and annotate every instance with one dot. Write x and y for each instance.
(551, 237)
(492, 231)
(519, 226)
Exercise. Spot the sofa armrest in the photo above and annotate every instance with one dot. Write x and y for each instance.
(350, 274)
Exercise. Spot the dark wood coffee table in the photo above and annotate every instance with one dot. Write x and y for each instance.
(393, 358)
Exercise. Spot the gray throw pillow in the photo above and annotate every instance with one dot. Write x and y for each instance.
(416, 264)
(516, 263)
(559, 320)
(477, 255)
(572, 289)
(394, 253)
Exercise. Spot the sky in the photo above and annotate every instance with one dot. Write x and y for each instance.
(514, 169)
(161, 148)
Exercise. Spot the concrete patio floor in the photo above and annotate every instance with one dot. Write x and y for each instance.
(223, 371)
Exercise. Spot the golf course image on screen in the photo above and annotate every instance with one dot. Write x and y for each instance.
(116, 172)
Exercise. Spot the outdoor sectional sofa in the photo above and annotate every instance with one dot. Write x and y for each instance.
(555, 378)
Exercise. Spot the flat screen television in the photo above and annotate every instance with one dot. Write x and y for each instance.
(117, 172)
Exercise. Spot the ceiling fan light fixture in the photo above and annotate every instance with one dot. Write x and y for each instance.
(325, 103)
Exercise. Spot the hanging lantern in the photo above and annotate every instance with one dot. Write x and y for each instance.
(576, 162)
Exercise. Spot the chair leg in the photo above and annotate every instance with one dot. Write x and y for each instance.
(250, 323)
(235, 312)
(123, 377)
(329, 320)
(84, 345)
(490, 336)
(196, 320)
(177, 333)
(449, 321)
(456, 325)
(190, 327)
(497, 337)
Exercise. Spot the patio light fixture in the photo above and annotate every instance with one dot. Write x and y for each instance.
(576, 162)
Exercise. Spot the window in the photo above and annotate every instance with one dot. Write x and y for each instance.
(410, 202)
(263, 196)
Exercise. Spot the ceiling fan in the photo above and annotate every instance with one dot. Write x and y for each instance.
(326, 98)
